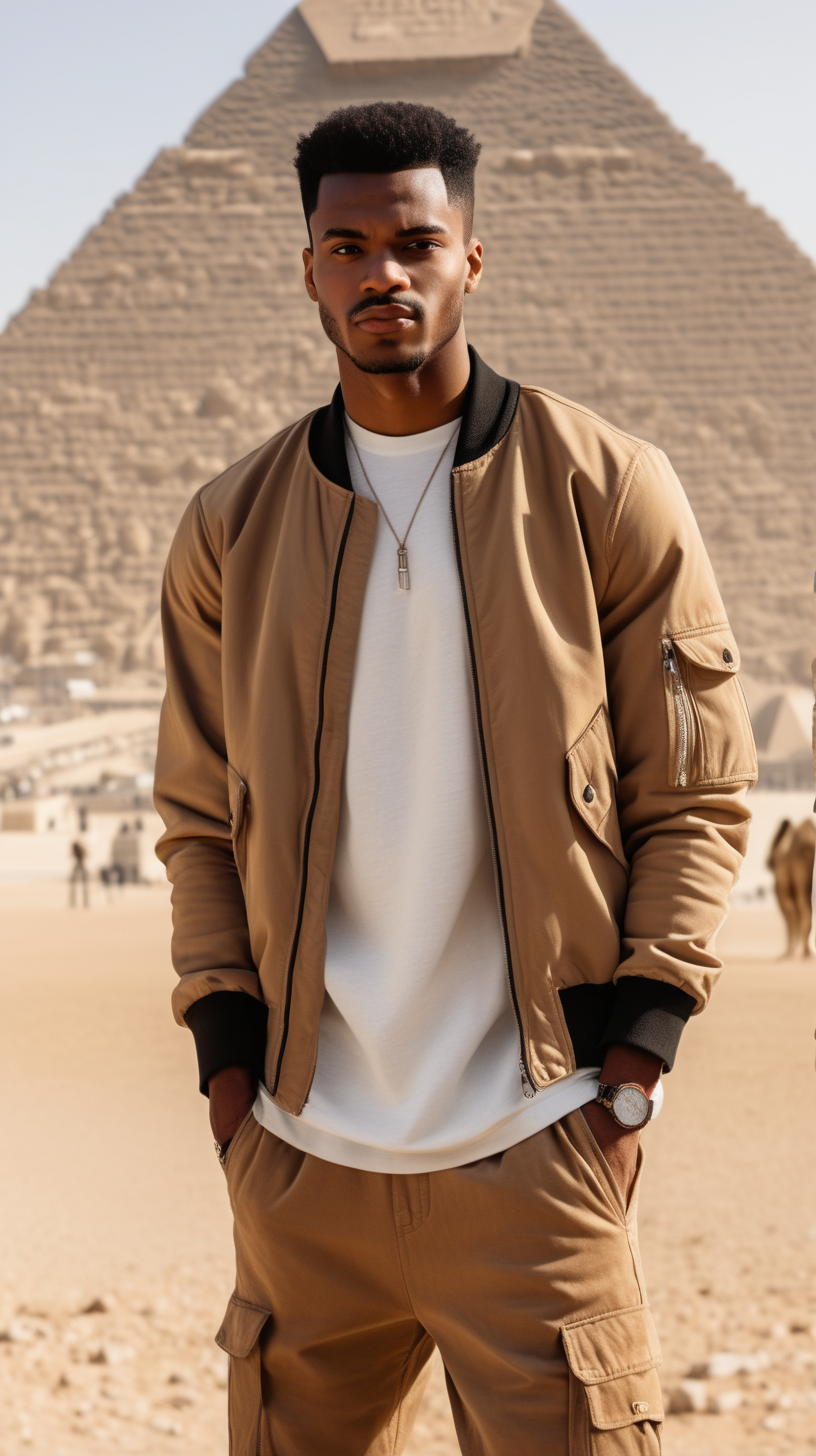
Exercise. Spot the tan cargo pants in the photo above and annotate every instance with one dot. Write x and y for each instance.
(523, 1268)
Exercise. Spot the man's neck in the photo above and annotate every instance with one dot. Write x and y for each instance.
(408, 404)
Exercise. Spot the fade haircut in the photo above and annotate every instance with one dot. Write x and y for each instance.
(389, 136)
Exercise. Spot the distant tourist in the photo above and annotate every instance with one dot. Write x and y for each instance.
(813, 740)
(78, 875)
(790, 860)
(126, 855)
(453, 765)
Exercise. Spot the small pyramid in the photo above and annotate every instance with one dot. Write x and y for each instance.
(783, 725)
(622, 270)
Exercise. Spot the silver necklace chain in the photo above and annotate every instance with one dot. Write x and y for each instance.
(402, 549)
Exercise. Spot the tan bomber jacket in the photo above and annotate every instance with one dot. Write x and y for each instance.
(614, 734)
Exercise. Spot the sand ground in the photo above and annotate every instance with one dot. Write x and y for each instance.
(112, 1200)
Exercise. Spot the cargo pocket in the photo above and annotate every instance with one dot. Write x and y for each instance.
(615, 1404)
(240, 1335)
(593, 779)
(710, 737)
(237, 805)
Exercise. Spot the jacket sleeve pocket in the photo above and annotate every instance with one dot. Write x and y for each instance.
(616, 1407)
(710, 737)
(593, 780)
(240, 1335)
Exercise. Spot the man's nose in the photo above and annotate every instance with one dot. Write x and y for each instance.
(384, 274)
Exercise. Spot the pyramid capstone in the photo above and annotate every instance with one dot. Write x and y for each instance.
(363, 32)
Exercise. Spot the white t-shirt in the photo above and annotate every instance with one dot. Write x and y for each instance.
(418, 1058)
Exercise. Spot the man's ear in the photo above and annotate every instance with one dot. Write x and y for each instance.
(474, 266)
(308, 273)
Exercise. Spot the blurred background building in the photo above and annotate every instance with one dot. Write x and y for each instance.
(623, 270)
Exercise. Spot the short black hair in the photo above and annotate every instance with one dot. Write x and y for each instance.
(388, 136)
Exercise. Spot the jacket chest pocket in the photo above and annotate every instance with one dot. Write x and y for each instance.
(616, 1408)
(238, 815)
(240, 1336)
(710, 737)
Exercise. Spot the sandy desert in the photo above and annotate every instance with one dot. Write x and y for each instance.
(116, 1241)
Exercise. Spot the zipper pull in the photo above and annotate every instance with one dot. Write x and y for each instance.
(526, 1085)
(668, 655)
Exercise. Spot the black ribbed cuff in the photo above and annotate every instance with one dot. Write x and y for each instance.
(649, 1015)
(229, 1028)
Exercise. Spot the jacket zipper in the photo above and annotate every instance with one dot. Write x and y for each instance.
(528, 1086)
(258, 1435)
(307, 834)
(682, 715)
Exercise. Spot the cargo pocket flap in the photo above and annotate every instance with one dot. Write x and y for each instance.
(594, 781)
(241, 1327)
(625, 1401)
(714, 648)
(237, 797)
(615, 1357)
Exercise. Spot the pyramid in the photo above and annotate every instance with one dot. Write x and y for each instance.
(622, 270)
(783, 726)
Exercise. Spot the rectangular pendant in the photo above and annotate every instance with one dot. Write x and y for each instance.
(402, 568)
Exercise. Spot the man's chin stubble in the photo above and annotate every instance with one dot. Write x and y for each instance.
(387, 366)
(408, 365)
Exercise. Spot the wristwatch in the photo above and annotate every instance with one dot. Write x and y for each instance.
(628, 1103)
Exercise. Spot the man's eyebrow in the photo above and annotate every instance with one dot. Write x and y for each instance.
(343, 232)
(423, 230)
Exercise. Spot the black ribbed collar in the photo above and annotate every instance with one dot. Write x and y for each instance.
(490, 404)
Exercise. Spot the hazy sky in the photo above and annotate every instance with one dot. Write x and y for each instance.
(91, 89)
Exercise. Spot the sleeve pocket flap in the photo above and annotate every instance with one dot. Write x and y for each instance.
(241, 1327)
(594, 780)
(714, 648)
(710, 738)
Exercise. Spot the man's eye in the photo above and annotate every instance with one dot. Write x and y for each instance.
(425, 245)
(346, 248)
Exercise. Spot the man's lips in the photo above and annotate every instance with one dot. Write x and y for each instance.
(387, 318)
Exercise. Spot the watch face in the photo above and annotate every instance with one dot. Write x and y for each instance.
(631, 1106)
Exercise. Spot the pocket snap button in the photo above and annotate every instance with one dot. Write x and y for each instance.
(727, 655)
(640, 1407)
(589, 794)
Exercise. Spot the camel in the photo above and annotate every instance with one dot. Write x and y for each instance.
(791, 858)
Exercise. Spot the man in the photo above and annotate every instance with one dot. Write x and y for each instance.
(78, 874)
(452, 765)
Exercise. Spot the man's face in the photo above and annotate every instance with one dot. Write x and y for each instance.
(389, 266)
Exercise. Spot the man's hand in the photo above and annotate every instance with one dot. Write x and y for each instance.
(232, 1093)
(619, 1145)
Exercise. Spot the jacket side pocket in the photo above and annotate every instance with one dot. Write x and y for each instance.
(710, 737)
(238, 806)
(616, 1408)
(593, 780)
(240, 1336)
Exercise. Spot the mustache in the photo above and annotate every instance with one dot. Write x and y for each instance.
(382, 300)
